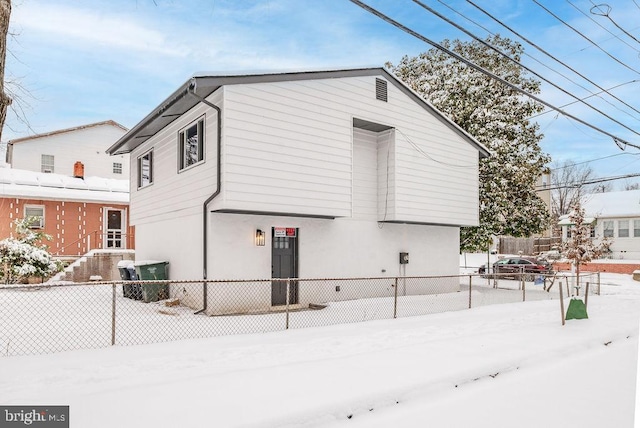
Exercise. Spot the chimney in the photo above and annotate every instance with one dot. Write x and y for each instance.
(78, 170)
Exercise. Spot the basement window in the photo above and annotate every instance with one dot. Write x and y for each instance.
(145, 169)
(191, 144)
(117, 168)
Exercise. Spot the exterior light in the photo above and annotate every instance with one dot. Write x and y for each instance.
(259, 238)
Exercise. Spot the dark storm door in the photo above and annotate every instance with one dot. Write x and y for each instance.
(284, 264)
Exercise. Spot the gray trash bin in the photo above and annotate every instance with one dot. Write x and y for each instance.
(128, 273)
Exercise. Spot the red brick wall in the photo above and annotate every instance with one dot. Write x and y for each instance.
(68, 223)
(600, 267)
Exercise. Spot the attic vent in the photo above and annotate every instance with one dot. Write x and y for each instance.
(381, 90)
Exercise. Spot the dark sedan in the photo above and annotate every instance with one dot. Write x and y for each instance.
(515, 266)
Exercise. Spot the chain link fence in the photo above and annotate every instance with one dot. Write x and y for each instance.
(47, 318)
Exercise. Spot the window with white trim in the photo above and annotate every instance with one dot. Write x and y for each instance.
(145, 169)
(636, 228)
(191, 144)
(47, 163)
(117, 168)
(607, 228)
(36, 214)
(623, 228)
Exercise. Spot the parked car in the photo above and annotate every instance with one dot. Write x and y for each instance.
(530, 266)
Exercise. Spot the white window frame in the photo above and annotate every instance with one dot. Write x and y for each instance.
(636, 228)
(621, 230)
(47, 163)
(39, 224)
(185, 160)
(142, 183)
(117, 167)
(607, 232)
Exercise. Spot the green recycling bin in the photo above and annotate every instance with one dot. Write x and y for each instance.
(148, 270)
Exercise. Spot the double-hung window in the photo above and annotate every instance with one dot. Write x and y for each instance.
(191, 144)
(35, 213)
(636, 228)
(117, 168)
(145, 169)
(607, 228)
(623, 228)
(46, 163)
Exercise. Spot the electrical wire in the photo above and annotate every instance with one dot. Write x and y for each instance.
(606, 15)
(594, 181)
(518, 64)
(551, 56)
(469, 63)
(592, 160)
(586, 38)
(603, 27)
(431, 158)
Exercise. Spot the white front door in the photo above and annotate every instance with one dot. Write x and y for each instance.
(114, 236)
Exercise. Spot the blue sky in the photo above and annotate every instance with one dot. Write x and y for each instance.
(87, 61)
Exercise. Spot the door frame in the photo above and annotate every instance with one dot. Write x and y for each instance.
(123, 228)
(294, 295)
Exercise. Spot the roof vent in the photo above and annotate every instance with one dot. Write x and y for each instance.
(381, 90)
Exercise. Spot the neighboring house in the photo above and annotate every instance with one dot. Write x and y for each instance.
(79, 213)
(614, 215)
(310, 175)
(58, 151)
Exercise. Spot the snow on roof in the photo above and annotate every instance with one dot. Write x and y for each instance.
(20, 183)
(613, 204)
(62, 131)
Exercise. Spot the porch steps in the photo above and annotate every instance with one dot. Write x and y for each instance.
(102, 263)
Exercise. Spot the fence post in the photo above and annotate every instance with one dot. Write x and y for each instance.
(470, 291)
(395, 298)
(561, 301)
(287, 310)
(586, 295)
(113, 314)
(598, 283)
(523, 290)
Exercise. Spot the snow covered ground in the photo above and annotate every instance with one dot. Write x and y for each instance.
(508, 365)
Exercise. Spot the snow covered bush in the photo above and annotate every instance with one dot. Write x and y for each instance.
(25, 256)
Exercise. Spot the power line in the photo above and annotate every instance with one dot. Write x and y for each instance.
(550, 56)
(606, 15)
(499, 52)
(602, 26)
(586, 38)
(594, 181)
(419, 36)
(592, 160)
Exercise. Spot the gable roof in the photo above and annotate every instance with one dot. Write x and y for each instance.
(613, 204)
(182, 101)
(62, 131)
(19, 183)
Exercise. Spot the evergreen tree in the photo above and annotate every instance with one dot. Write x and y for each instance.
(497, 116)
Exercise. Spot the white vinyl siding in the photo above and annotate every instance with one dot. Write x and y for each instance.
(173, 194)
(86, 145)
(288, 148)
(365, 174)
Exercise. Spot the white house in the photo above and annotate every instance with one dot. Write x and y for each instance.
(58, 151)
(309, 175)
(615, 215)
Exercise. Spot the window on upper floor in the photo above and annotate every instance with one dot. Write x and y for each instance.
(46, 163)
(117, 168)
(607, 228)
(36, 214)
(623, 228)
(145, 169)
(636, 228)
(191, 144)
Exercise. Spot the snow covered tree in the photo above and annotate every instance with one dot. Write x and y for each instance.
(579, 247)
(497, 116)
(25, 256)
